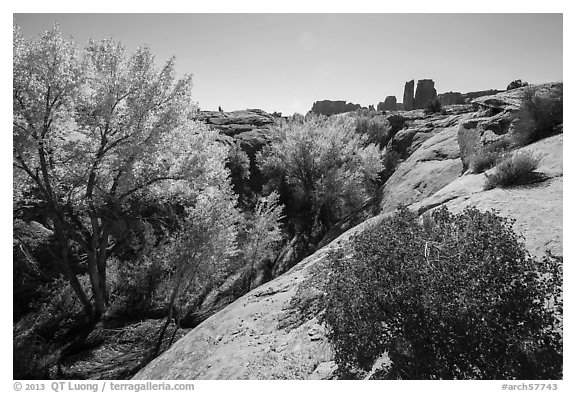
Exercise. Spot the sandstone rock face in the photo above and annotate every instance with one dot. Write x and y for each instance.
(232, 123)
(451, 98)
(328, 107)
(433, 162)
(475, 94)
(537, 208)
(425, 92)
(247, 128)
(516, 84)
(272, 332)
(408, 99)
(277, 332)
(389, 104)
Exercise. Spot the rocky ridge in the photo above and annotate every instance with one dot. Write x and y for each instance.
(275, 331)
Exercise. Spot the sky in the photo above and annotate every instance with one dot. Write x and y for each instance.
(285, 62)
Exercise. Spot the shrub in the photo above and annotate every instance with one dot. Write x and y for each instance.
(540, 112)
(38, 338)
(516, 170)
(469, 143)
(322, 168)
(454, 297)
(376, 128)
(484, 160)
(434, 106)
(489, 155)
(390, 160)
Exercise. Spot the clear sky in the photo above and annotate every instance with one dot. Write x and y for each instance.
(285, 62)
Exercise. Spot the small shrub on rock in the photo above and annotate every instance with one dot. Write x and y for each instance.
(469, 143)
(434, 106)
(516, 170)
(489, 155)
(484, 160)
(453, 297)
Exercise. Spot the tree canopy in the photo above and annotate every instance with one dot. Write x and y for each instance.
(95, 129)
(328, 168)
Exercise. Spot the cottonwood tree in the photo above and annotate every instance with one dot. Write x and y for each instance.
(263, 232)
(328, 168)
(201, 249)
(94, 129)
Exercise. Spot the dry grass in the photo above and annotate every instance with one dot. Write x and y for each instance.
(517, 170)
(489, 155)
(121, 353)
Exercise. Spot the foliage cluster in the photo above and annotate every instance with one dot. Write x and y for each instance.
(40, 336)
(489, 155)
(376, 128)
(434, 106)
(321, 168)
(263, 234)
(130, 201)
(96, 130)
(516, 170)
(452, 297)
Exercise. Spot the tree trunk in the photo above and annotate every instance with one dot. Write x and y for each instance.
(102, 257)
(69, 273)
(97, 286)
(175, 330)
(101, 268)
(168, 318)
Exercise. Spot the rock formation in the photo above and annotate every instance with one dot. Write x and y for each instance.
(248, 129)
(389, 104)
(516, 84)
(328, 107)
(232, 123)
(482, 93)
(276, 331)
(451, 98)
(408, 99)
(457, 98)
(425, 92)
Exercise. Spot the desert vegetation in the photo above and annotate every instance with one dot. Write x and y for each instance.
(134, 220)
(434, 106)
(489, 155)
(123, 207)
(455, 296)
(322, 170)
(516, 170)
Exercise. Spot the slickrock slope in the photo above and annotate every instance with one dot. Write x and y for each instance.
(536, 208)
(270, 333)
(274, 332)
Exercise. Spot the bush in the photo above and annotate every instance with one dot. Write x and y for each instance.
(390, 160)
(516, 170)
(322, 169)
(40, 336)
(434, 106)
(489, 155)
(484, 160)
(454, 297)
(469, 142)
(376, 128)
(540, 112)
